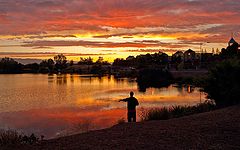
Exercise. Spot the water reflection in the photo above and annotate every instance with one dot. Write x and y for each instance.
(60, 121)
(56, 105)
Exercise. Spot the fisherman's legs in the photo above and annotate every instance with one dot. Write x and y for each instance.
(134, 117)
(131, 116)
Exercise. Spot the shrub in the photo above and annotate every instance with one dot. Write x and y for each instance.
(9, 137)
(223, 83)
(12, 137)
(178, 111)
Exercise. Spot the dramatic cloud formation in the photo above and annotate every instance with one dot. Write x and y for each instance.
(115, 24)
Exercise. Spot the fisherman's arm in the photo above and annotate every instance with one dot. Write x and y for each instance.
(123, 100)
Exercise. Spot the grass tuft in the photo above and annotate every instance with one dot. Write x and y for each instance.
(121, 121)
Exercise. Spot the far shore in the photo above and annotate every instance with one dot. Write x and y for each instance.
(217, 129)
(188, 73)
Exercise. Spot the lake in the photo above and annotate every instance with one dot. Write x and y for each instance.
(58, 105)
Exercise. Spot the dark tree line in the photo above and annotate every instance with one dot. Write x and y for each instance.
(58, 64)
(143, 61)
(9, 65)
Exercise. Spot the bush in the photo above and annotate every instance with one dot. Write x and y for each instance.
(9, 137)
(165, 113)
(13, 138)
(223, 83)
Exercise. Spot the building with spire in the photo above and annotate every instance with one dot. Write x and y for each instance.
(231, 41)
(232, 49)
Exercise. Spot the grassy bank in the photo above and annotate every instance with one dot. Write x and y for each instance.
(165, 113)
(218, 129)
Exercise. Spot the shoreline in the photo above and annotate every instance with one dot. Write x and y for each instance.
(218, 129)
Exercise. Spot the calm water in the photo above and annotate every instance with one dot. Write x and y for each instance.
(57, 105)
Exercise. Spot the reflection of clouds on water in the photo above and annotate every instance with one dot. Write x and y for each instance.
(53, 104)
(51, 122)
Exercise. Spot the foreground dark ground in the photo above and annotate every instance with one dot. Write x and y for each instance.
(218, 129)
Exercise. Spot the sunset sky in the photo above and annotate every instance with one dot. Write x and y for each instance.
(40, 29)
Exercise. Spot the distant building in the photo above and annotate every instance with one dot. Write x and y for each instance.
(232, 49)
(232, 41)
(189, 55)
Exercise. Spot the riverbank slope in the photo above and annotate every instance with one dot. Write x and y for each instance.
(219, 129)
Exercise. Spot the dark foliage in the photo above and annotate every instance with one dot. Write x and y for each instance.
(97, 69)
(85, 61)
(31, 68)
(46, 66)
(223, 83)
(153, 78)
(60, 62)
(8, 65)
(13, 138)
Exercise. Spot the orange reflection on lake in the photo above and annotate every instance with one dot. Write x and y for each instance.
(56, 122)
(57, 105)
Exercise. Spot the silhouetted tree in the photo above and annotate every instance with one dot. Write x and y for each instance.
(46, 66)
(85, 61)
(120, 62)
(50, 64)
(60, 62)
(71, 63)
(101, 61)
(9, 65)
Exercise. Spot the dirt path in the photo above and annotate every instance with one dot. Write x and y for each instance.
(219, 129)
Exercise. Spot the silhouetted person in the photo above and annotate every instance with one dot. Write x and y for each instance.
(132, 102)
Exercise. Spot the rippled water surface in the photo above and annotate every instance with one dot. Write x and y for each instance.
(57, 105)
